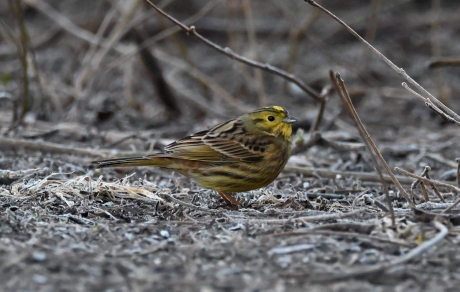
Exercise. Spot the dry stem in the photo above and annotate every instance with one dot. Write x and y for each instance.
(429, 181)
(371, 147)
(433, 100)
(228, 52)
(413, 254)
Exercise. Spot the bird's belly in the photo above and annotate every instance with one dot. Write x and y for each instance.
(234, 178)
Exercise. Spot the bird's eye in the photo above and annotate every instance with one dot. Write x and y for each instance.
(271, 118)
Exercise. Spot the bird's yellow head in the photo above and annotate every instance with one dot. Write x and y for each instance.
(273, 120)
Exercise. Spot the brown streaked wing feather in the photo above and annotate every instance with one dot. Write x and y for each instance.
(186, 142)
(225, 142)
(232, 139)
(193, 148)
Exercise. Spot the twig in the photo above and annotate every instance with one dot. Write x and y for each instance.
(411, 255)
(444, 63)
(253, 47)
(89, 61)
(435, 206)
(155, 75)
(341, 234)
(318, 218)
(317, 139)
(454, 204)
(169, 197)
(398, 70)
(181, 48)
(7, 33)
(116, 33)
(7, 177)
(327, 173)
(424, 192)
(70, 27)
(435, 189)
(161, 35)
(22, 52)
(296, 33)
(105, 212)
(322, 107)
(430, 105)
(458, 171)
(435, 182)
(126, 138)
(417, 182)
(37, 42)
(203, 78)
(371, 31)
(47, 147)
(370, 145)
(65, 23)
(228, 52)
(377, 203)
(422, 248)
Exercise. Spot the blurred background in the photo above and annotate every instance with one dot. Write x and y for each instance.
(119, 65)
(81, 80)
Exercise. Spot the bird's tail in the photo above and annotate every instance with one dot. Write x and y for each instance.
(133, 161)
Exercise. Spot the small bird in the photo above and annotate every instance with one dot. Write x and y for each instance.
(238, 155)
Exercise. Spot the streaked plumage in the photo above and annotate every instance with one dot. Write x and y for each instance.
(239, 155)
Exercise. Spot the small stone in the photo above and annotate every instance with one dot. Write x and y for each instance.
(129, 236)
(40, 279)
(38, 256)
(164, 233)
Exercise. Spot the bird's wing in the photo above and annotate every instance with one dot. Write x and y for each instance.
(193, 148)
(225, 142)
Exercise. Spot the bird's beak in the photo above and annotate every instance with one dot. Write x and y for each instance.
(289, 119)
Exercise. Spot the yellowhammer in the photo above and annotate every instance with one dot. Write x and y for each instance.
(239, 155)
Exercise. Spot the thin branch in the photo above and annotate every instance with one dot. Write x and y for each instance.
(47, 147)
(169, 197)
(370, 145)
(348, 234)
(444, 63)
(454, 204)
(317, 218)
(322, 106)
(228, 52)
(458, 171)
(327, 173)
(203, 78)
(398, 70)
(410, 256)
(253, 47)
(64, 22)
(433, 187)
(371, 30)
(431, 105)
(418, 182)
(430, 181)
(160, 36)
(22, 52)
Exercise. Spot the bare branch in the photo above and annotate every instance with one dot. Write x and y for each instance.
(398, 70)
(345, 97)
(228, 52)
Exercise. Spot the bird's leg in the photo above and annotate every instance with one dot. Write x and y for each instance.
(229, 200)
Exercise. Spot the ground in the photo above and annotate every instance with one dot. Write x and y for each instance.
(323, 225)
